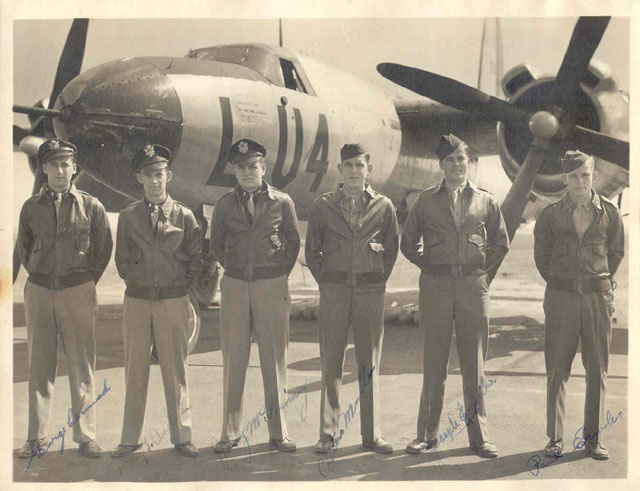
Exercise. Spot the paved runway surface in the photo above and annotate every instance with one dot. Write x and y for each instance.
(515, 398)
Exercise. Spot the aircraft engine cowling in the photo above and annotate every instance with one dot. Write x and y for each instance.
(599, 106)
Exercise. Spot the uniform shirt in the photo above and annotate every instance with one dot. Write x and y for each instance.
(263, 246)
(336, 252)
(433, 241)
(66, 249)
(352, 208)
(560, 252)
(166, 257)
(583, 217)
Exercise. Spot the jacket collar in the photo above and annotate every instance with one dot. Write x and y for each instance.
(46, 191)
(166, 207)
(266, 188)
(469, 184)
(338, 195)
(568, 203)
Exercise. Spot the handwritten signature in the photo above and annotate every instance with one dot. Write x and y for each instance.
(71, 420)
(580, 439)
(155, 438)
(267, 413)
(324, 463)
(465, 417)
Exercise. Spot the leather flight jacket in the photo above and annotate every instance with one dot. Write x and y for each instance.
(432, 241)
(570, 264)
(161, 263)
(336, 253)
(262, 247)
(68, 249)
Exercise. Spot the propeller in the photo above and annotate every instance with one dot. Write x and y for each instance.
(69, 67)
(552, 129)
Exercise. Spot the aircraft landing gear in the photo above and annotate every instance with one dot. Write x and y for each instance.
(206, 283)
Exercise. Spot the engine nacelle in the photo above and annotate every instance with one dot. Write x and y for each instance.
(599, 106)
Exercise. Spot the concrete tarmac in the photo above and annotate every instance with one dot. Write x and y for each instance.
(515, 398)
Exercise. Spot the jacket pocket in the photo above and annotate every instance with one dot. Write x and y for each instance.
(435, 251)
(476, 249)
(275, 249)
(600, 259)
(81, 256)
(559, 257)
(374, 252)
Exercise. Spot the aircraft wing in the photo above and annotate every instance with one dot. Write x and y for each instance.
(426, 121)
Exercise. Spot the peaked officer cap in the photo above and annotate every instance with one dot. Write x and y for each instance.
(448, 143)
(351, 150)
(55, 146)
(150, 154)
(573, 159)
(245, 149)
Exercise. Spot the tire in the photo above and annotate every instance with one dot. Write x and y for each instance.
(193, 328)
(206, 286)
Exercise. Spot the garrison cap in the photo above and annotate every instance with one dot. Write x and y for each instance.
(351, 150)
(573, 159)
(245, 149)
(150, 154)
(448, 143)
(55, 146)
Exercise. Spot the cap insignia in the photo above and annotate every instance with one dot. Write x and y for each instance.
(243, 147)
(149, 151)
(54, 144)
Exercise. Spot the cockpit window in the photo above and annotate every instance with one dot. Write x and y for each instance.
(291, 79)
(275, 64)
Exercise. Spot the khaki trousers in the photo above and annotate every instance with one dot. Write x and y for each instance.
(261, 306)
(167, 322)
(569, 318)
(446, 301)
(71, 314)
(362, 307)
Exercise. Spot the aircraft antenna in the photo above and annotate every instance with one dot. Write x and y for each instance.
(280, 43)
(490, 65)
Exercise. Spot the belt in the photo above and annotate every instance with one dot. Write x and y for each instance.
(59, 282)
(452, 269)
(588, 285)
(253, 274)
(357, 279)
(155, 293)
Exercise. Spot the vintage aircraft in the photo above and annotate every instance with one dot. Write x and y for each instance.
(303, 111)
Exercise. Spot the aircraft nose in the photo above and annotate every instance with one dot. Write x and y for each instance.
(114, 109)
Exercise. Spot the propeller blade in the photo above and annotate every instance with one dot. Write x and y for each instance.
(71, 59)
(453, 93)
(18, 134)
(514, 203)
(39, 179)
(584, 41)
(599, 145)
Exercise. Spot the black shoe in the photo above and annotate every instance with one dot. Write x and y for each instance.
(597, 451)
(325, 445)
(226, 446)
(554, 449)
(418, 446)
(486, 450)
(284, 445)
(30, 448)
(380, 445)
(123, 450)
(187, 449)
(91, 449)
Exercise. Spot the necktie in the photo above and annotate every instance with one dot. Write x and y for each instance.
(251, 203)
(155, 214)
(57, 200)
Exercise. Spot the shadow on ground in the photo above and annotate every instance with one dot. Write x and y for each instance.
(260, 463)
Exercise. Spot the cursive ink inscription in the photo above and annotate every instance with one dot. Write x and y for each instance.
(71, 420)
(324, 463)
